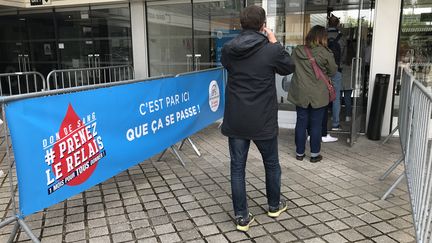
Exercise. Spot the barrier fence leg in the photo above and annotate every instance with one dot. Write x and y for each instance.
(28, 231)
(392, 187)
(13, 233)
(192, 144)
(176, 153)
(160, 157)
(7, 221)
(194, 147)
(391, 134)
(389, 170)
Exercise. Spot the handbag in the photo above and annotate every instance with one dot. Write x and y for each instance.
(320, 75)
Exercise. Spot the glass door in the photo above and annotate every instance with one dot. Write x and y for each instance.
(356, 19)
(75, 43)
(11, 43)
(355, 25)
(111, 34)
(39, 42)
(215, 23)
(170, 37)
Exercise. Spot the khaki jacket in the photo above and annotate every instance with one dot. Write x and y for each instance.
(305, 88)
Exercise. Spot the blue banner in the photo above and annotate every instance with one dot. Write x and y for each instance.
(65, 144)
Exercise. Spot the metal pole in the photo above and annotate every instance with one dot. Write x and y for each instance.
(389, 170)
(14, 232)
(393, 186)
(10, 171)
(391, 134)
(28, 231)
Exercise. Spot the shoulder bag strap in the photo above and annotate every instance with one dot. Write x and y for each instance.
(317, 70)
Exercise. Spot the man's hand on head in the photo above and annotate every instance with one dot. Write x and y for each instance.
(270, 35)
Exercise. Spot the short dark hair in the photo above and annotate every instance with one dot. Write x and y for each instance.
(317, 36)
(252, 18)
(333, 21)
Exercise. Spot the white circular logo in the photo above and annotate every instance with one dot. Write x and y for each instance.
(219, 34)
(214, 96)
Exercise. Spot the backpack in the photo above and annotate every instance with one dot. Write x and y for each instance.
(334, 46)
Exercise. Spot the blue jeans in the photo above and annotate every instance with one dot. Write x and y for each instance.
(347, 99)
(309, 119)
(336, 107)
(269, 152)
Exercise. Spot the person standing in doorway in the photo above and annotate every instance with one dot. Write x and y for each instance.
(309, 92)
(336, 44)
(252, 59)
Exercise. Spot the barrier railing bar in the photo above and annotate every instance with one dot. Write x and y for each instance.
(89, 76)
(425, 179)
(19, 86)
(426, 196)
(404, 111)
(74, 89)
(10, 85)
(27, 83)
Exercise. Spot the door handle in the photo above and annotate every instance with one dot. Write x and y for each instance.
(20, 56)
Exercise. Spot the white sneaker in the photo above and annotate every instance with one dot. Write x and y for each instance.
(328, 139)
(348, 119)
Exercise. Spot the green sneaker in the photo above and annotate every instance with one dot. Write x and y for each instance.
(244, 223)
(275, 212)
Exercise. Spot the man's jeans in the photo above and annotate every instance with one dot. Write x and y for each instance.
(336, 107)
(309, 119)
(269, 151)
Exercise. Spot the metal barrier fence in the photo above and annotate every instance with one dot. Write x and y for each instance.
(418, 160)
(404, 102)
(21, 83)
(67, 78)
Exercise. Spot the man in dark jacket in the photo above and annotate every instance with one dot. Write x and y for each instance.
(252, 59)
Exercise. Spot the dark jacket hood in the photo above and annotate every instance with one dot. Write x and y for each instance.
(245, 44)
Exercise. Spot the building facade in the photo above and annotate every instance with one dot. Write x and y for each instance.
(175, 36)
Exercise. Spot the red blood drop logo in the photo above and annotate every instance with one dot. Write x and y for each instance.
(74, 150)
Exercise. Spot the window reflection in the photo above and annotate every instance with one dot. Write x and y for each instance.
(184, 37)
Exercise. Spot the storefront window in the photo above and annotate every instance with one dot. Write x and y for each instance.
(185, 36)
(415, 46)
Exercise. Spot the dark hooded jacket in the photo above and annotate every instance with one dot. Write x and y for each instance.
(250, 97)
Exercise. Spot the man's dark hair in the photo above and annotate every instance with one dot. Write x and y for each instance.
(252, 18)
(333, 21)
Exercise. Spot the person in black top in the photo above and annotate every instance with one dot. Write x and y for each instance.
(252, 59)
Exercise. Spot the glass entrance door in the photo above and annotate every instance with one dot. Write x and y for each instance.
(356, 19)
(170, 40)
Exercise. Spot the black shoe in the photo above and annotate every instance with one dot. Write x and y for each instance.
(275, 212)
(300, 157)
(244, 223)
(316, 159)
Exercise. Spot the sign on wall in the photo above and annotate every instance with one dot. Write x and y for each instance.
(65, 144)
(40, 2)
